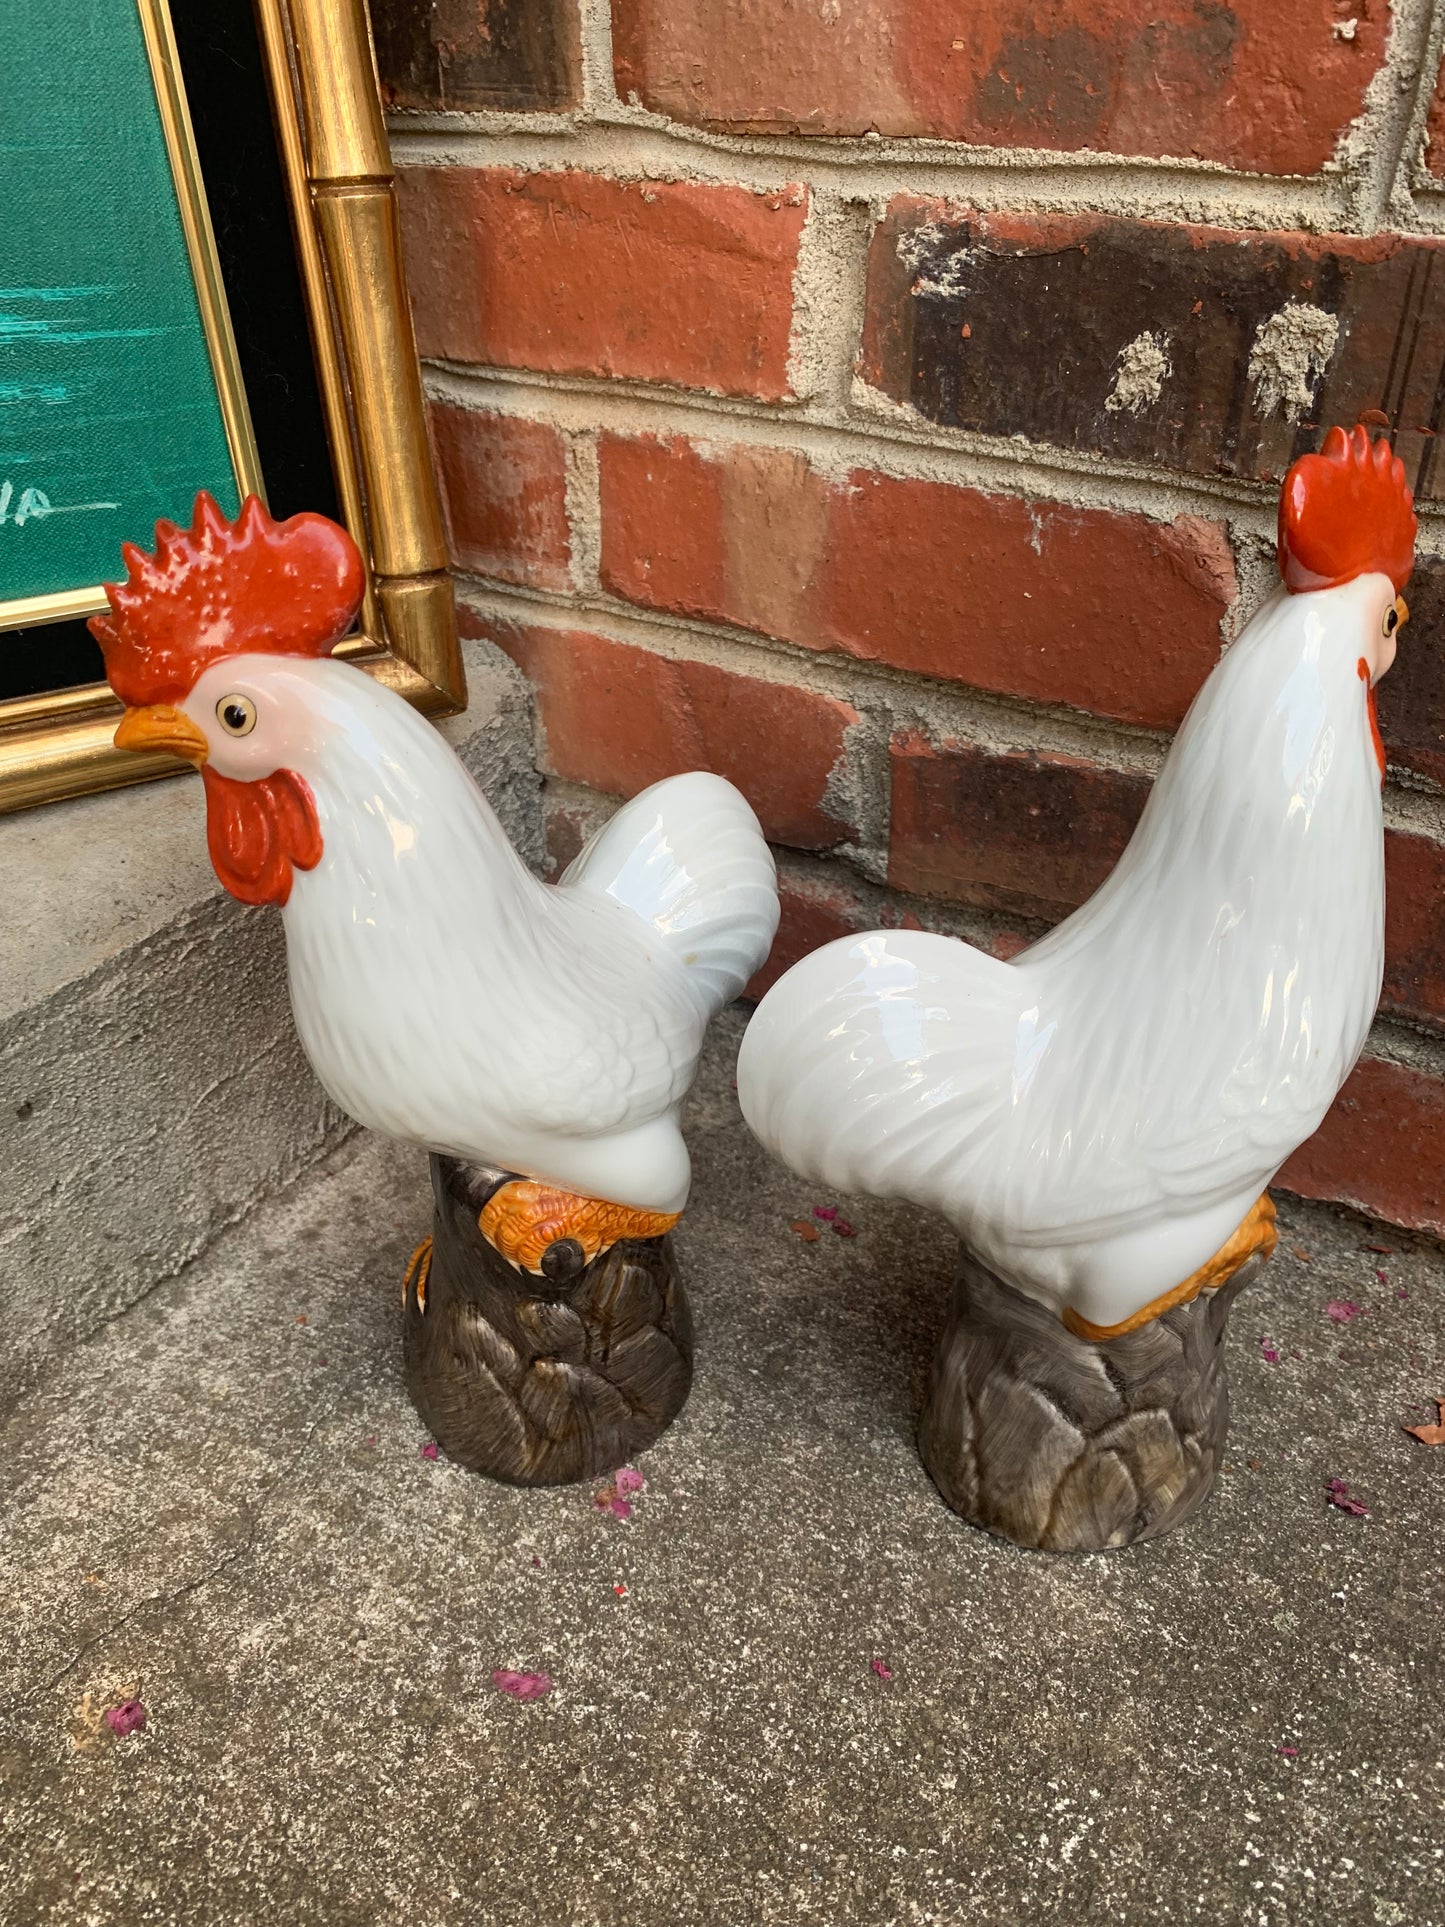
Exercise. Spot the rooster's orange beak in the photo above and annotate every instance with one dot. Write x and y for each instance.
(160, 727)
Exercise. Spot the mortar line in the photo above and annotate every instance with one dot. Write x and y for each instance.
(583, 509)
(1390, 126)
(897, 443)
(594, 32)
(837, 441)
(1398, 1041)
(634, 144)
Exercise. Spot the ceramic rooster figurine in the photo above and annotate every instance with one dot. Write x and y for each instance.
(1099, 1117)
(537, 1040)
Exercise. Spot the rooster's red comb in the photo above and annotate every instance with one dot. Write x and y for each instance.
(1346, 512)
(225, 588)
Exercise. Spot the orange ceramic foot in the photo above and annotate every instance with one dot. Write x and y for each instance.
(554, 1233)
(1255, 1237)
(418, 1271)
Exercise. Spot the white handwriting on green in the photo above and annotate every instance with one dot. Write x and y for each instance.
(34, 505)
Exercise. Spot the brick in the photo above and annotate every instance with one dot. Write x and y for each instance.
(1114, 614)
(569, 816)
(1027, 834)
(440, 55)
(1015, 324)
(573, 273)
(815, 911)
(1266, 85)
(1411, 699)
(1414, 928)
(504, 495)
(618, 718)
(1381, 1149)
(1435, 130)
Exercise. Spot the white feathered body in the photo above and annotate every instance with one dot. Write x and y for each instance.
(447, 997)
(1099, 1114)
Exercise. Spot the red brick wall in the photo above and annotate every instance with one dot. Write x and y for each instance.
(881, 402)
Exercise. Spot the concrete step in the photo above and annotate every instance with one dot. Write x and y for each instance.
(219, 1504)
(151, 1086)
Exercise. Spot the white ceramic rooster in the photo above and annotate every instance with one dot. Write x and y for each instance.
(1099, 1116)
(442, 993)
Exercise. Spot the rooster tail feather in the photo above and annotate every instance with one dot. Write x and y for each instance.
(688, 857)
(880, 1063)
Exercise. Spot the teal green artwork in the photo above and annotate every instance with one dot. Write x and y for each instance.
(109, 416)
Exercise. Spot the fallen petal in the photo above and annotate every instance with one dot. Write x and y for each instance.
(522, 1686)
(807, 1232)
(1267, 1347)
(844, 1229)
(827, 1212)
(629, 1479)
(1342, 1310)
(430, 1451)
(127, 1718)
(1430, 1434)
(1337, 1493)
(883, 1671)
(620, 1508)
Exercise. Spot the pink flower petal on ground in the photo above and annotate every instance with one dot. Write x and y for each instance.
(1341, 1310)
(127, 1718)
(844, 1229)
(1382, 1277)
(827, 1212)
(881, 1669)
(629, 1480)
(1289, 1752)
(1337, 1493)
(522, 1686)
(1266, 1345)
(620, 1508)
(429, 1451)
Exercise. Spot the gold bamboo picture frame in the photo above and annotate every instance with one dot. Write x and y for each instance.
(336, 165)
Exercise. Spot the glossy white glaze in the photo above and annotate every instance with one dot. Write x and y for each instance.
(1098, 1115)
(443, 994)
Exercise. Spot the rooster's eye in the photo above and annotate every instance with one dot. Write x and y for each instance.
(236, 715)
(1395, 615)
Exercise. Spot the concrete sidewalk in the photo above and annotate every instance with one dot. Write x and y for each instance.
(218, 1504)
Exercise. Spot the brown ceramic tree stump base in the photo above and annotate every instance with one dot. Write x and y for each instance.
(542, 1380)
(1067, 1445)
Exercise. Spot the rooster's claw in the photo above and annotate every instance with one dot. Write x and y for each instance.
(562, 1261)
